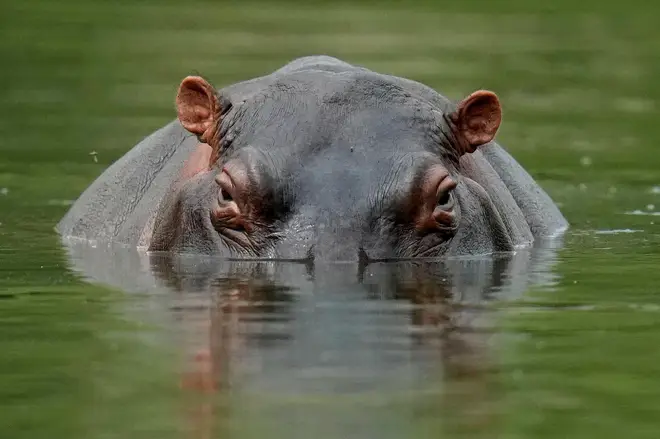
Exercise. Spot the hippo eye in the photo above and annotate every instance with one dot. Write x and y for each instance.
(226, 196)
(444, 199)
(436, 211)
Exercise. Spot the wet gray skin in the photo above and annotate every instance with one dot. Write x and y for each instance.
(320, 160)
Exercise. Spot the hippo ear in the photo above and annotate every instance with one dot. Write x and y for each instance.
(198, 106)
(477, 119)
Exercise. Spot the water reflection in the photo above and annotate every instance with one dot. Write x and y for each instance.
(334, 350)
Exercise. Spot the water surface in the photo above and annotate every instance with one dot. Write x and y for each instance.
(558, 341)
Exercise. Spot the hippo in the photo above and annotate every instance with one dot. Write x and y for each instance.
(319, 160)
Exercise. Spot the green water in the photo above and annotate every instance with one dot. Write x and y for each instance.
(573, 352)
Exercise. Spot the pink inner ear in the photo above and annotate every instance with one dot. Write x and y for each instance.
(480, 116)
(195, 104)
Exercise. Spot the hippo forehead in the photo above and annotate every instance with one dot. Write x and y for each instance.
(313, 109)
(341, 134)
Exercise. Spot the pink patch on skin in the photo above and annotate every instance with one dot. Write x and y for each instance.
(198, 161)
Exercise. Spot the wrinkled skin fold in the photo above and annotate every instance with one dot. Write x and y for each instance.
(320, 160)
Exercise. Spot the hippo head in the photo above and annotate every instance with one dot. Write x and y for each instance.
(334, 166)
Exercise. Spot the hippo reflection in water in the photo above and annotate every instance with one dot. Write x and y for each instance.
(320, 160)
(314, 345)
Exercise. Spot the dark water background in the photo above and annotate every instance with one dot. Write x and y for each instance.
(559, 341)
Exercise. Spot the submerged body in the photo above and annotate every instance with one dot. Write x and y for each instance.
(319, 160)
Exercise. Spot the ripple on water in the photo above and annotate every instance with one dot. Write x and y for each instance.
(616, 231)
(648, 212)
